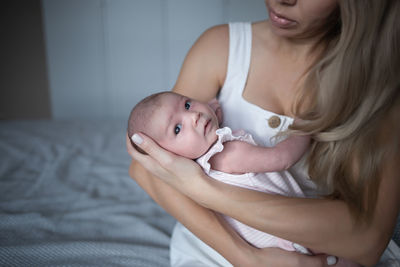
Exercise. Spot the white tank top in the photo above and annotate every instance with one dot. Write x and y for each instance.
(238, 114)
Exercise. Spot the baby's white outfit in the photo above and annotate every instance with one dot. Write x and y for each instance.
(270, 182)
(186, 249)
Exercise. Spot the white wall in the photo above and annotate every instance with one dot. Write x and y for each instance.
(105, 55)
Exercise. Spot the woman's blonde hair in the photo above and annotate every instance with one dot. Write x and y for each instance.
(354, 88)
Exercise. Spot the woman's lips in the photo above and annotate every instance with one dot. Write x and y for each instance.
(280, 21)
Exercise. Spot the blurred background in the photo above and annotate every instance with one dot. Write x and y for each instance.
(95, 59)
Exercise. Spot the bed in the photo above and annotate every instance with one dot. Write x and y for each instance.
(66, 199)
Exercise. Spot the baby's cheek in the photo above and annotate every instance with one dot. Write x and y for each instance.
(198, 150)
(188, 149)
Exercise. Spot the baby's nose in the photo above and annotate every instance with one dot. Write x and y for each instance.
(195, 116)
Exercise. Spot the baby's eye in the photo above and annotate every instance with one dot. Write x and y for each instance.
(187, 104)
(178, 128)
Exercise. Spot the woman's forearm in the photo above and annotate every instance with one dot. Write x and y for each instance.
(322, 225)
(204, 223)
(213, 229)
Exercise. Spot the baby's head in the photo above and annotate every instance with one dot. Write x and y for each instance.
(181, 125)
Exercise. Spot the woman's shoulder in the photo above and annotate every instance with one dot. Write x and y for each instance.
(204, 69)
(221, 30)
(212, 40)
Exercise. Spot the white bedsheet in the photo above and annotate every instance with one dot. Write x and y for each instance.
(66, 198)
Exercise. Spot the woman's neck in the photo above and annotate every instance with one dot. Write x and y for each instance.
(295, 48)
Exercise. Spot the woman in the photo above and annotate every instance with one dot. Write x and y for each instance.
(334, 65)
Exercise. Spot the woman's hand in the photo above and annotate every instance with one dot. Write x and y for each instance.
(179, 172)
(283, 258)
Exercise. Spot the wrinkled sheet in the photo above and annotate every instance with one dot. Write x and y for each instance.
(66, 198)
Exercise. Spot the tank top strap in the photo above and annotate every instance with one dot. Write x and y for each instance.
(240, 37)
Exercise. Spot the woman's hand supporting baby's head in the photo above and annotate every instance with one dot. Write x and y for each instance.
(175, 170)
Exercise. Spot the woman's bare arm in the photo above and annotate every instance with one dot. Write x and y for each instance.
(323, 225)
(205, 223)
(204, 68)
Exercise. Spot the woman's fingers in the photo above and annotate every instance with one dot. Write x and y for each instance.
(319, 260)
(161, 155)
(161, 162)
(149, 147)
(129, 146)
(177, 171)
(278, 257)
(316, 261)
(146, 161)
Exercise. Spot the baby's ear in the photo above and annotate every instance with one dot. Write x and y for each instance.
(214, 104)
(218, 112)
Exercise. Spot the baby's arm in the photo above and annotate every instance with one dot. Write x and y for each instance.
(242, 157)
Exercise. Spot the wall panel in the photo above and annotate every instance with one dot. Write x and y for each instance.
(135, 52)
(75, 58)
(106, 55)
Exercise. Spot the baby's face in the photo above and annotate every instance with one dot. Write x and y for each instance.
(184, 126)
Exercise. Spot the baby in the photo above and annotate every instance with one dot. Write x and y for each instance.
(191, 129)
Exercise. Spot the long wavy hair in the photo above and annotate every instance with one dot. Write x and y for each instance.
(353, 88)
